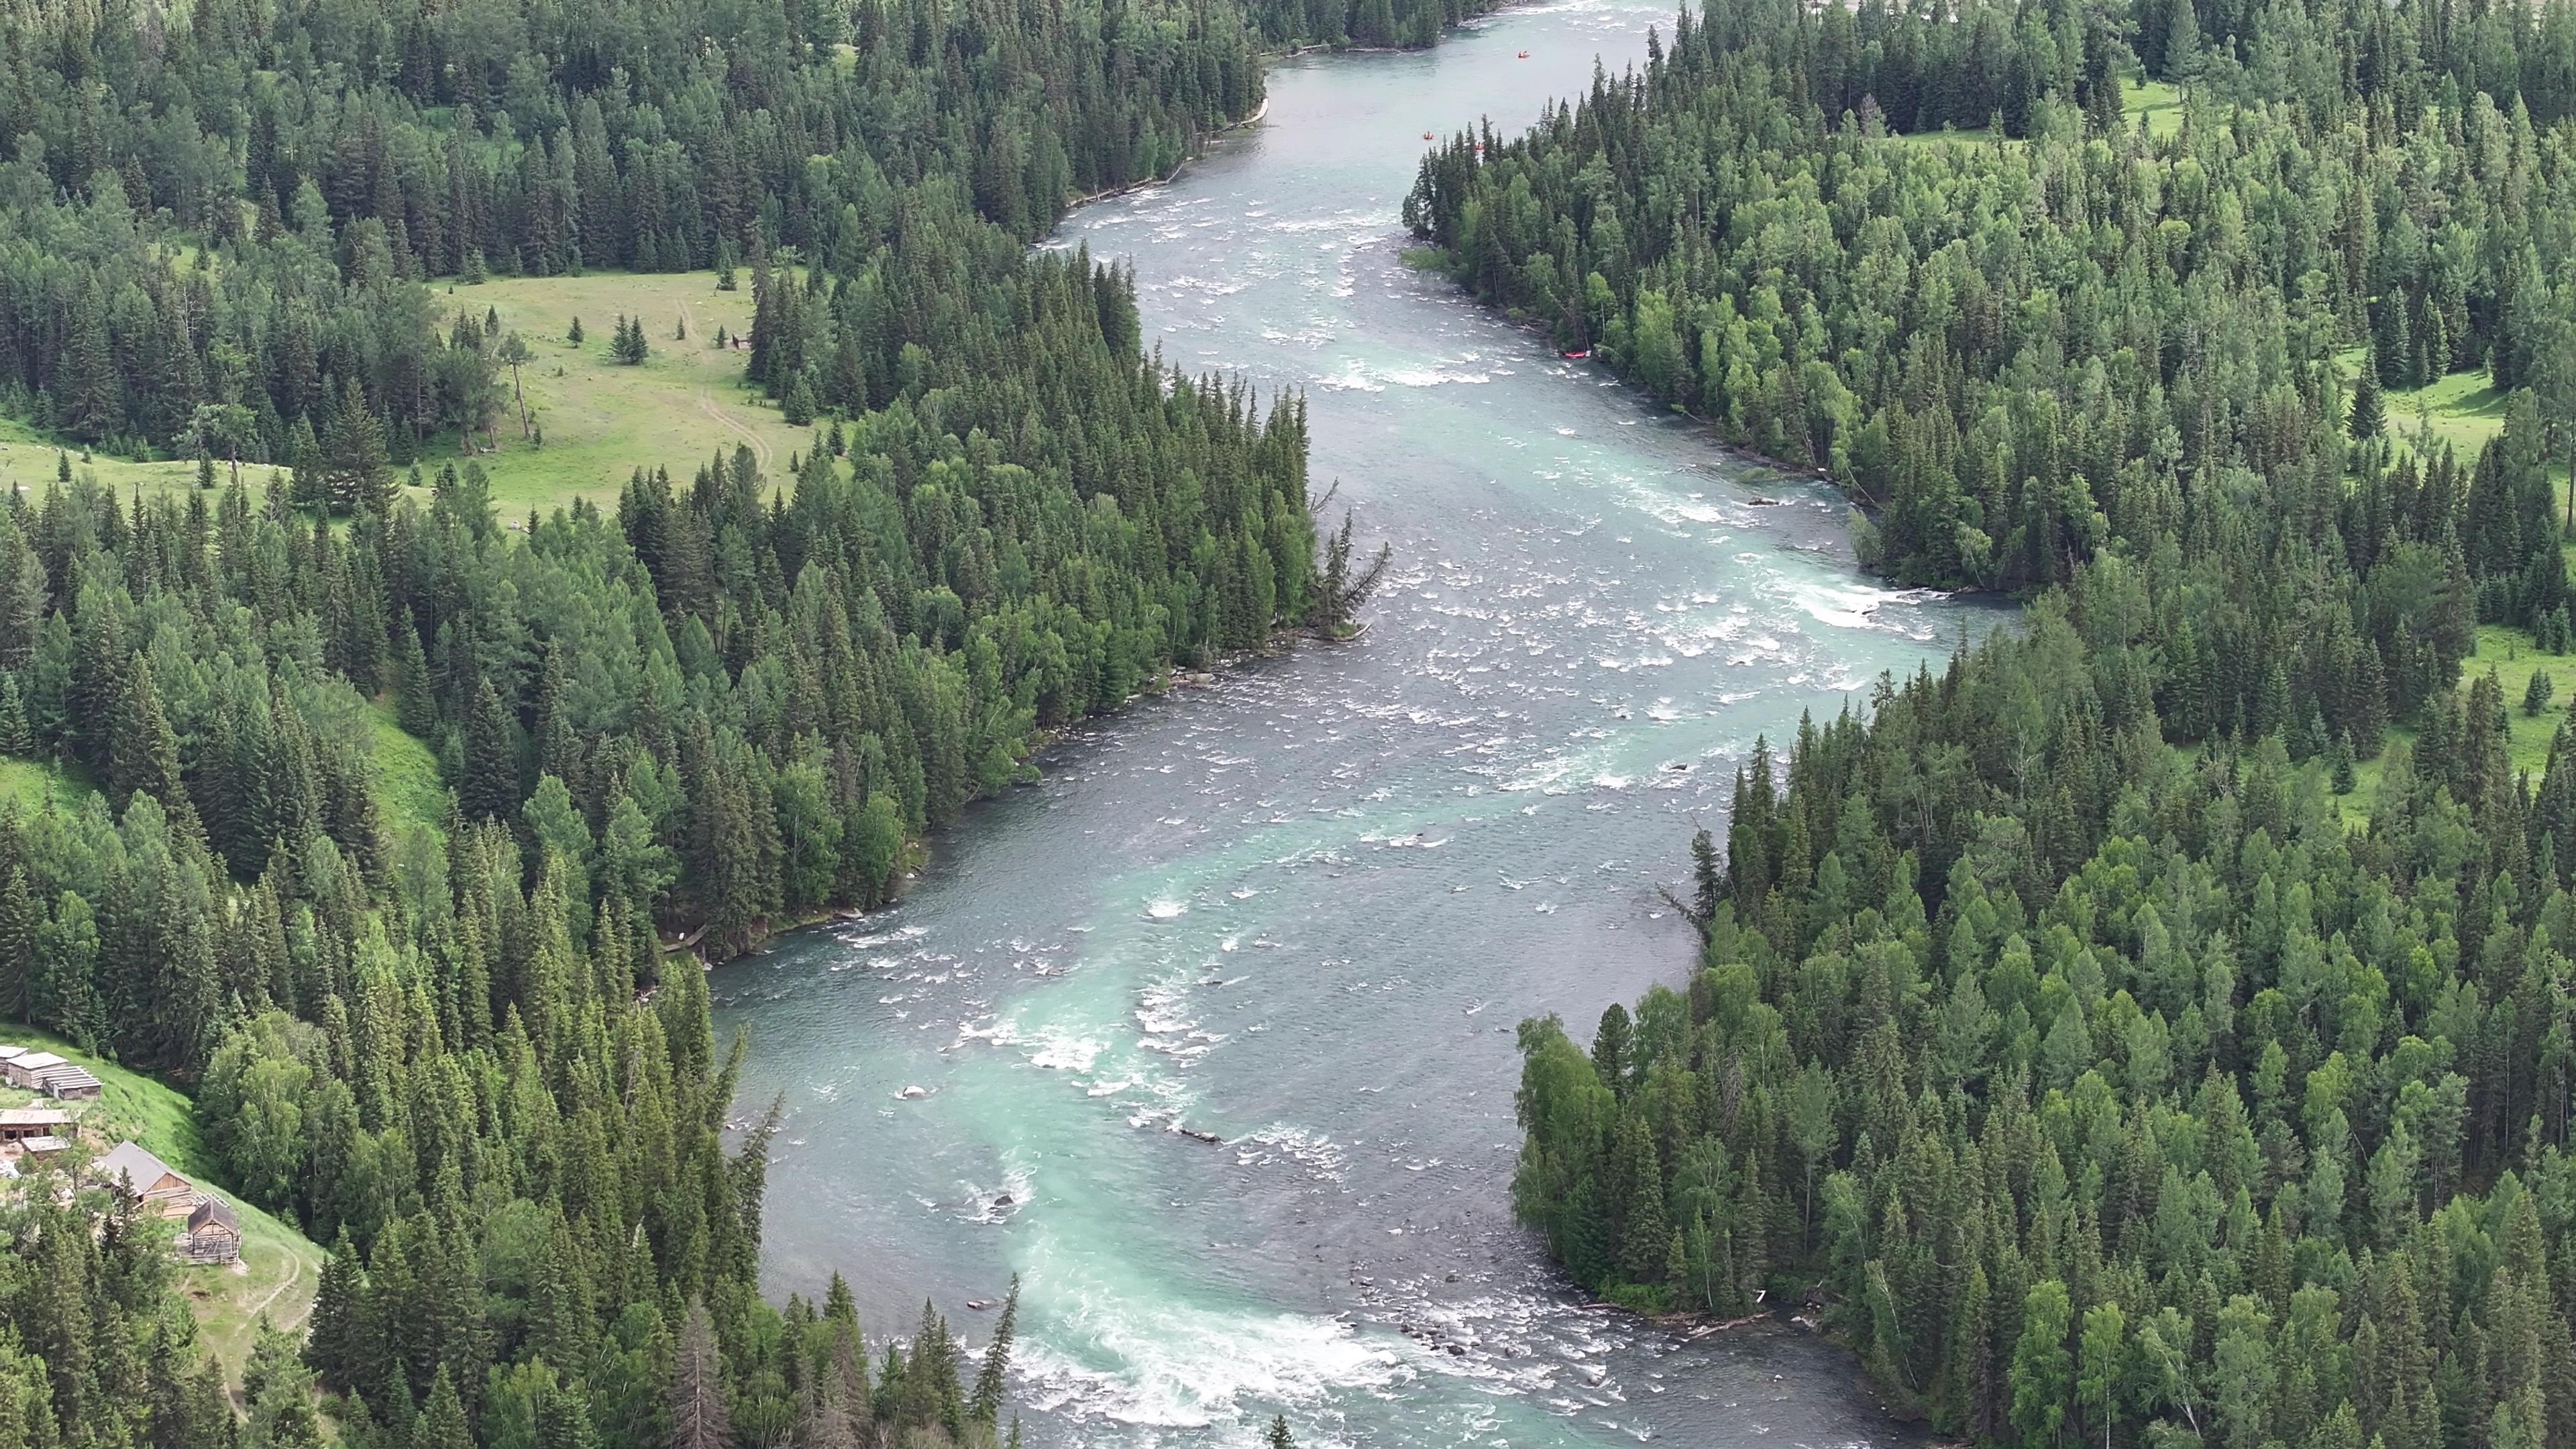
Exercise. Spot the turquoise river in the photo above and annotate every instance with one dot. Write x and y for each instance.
(1302, 908)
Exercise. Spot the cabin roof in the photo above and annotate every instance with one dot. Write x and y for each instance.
(214, 1212)
(33, 1116)
(130, 1164)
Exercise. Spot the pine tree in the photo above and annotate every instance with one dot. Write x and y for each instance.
(357, 471)
(20, 920)
(572, 334)
(1277, 1438)
(700, 1415)
(2369, 418)
(144, 755)
(415, 705)
(333, 1344)
(16, 738)
(2392, 350)
(986, 1405)
(2536, 696)
(442, 1423)
(489, 789)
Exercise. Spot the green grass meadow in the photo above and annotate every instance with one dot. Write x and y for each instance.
(599, 420)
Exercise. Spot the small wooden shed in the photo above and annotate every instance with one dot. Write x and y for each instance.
(214, 1232)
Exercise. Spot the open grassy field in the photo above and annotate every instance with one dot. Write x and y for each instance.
(2509, 653)
(2461, 411)
(280, 1268)
(599, 420)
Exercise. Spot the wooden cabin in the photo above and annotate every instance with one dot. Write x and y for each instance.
(25, 1067)
(20, 1123)
(147, 1181)
(214, 1232)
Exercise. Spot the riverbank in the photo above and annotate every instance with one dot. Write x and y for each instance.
(1422, 256)
(917, 855)
(1167, 178)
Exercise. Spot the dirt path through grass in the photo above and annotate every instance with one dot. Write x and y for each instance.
(707, 400)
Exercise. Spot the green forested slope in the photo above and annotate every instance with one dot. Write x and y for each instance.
(397, 794)
(2104, 1079)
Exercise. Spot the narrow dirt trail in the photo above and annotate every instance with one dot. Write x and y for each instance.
(294, 1275)
(709, 404)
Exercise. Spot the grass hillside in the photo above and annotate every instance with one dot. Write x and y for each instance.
(279, 1269)
(599, 420)
(407, 780)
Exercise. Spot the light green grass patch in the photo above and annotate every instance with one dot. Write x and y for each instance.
(30, 460)
(32, 783)
(1982, 135)
(280, 1268)
(2510, 653)
(2461, 411)
(600, 420)
(408, 784)
(2160, 102)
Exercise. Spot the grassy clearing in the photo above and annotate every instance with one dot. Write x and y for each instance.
(600, 420)
(32, 783)
(408, 785)
(2461, 411)
(29, 459)
(2160, 102)
(2507, 651)
(280, 1267)
(1947, 135)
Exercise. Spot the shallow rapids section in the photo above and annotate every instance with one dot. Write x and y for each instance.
(1301, 910)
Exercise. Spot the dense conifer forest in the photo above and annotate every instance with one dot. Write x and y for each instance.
(2080, 1034)
(444, 1042)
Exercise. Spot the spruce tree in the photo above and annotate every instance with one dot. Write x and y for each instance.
(144, 755)
(2369, 417)
(20, 920)
(333, 1344)
(986, 1405)
(489, 789)
(2392, 349)
(16, 738)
